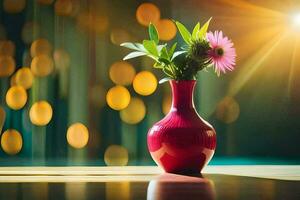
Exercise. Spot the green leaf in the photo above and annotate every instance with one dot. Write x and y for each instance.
(164, 53)
(157, 65)
(150, 46)
(195, 31)
(134, 46)
(171, 51)
(203, 30)
(186, 35)
(159, 47)
(164, 80)
(153, 33)
(164, 60)
(177, 53)
(134, 54)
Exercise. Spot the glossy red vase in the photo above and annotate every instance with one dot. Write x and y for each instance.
(182, 142)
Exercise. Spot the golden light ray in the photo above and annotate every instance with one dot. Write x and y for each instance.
(253, 64)
(241, 4)
(257, 38)
(249, 21)
(293, 65)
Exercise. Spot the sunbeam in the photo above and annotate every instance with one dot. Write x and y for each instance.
(253, 64)
(258, 10)
(293, 66)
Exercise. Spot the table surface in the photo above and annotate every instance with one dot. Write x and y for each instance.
(216, 182)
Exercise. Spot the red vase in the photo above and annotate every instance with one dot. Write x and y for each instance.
(182, 142)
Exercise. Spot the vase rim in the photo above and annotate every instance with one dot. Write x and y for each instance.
(177, 81)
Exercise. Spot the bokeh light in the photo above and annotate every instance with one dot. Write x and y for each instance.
(134, 112)
(228, 110)
(40, 113)
(42, 65)
(24, 77)
(13, 6)
(11, 142)
(122, 73)
(166, 104)
(2, 118)
(97, 95)
(166, 29)
(118, 97)
(118, 36)
(77, 135)
(122, 187)
(116, 155)
(61, 59)
(145, 83)
(7, 48)
(16, 97)
(92, 22)
(39, 47)
(7, 66)
(146, 13)
(63, 7)
(30, 29)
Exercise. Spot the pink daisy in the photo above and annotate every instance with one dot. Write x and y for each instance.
(222, 53)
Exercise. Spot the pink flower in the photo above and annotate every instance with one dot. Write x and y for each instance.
(222, 54)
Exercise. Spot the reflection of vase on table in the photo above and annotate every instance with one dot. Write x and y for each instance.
(176, 187)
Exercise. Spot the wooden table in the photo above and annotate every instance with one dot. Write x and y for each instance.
(216, 182)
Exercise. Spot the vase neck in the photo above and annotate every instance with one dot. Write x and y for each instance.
(182, 94)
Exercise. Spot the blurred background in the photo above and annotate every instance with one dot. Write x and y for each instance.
(67, 98)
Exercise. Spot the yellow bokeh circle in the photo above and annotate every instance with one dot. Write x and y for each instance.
(146, 13)
(13, 6)
(118, 36)
(77, 135)
(16, 97)
(122, 73)
(166, 29)
(61, 59)
(63, 7)
(145, 83)
(39, 47)
(40, 113)
(42, 65)
(11, 142)
(116, 155)
(134, 112)
(228, 110)
(24, 77)
(92, 22)
(118, 97)
(29, 31)
(166, 104)
(7, 66)
(7, 48)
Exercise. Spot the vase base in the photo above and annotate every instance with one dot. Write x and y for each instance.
(194, 173)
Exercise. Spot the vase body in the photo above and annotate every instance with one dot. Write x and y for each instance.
(182, 142)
